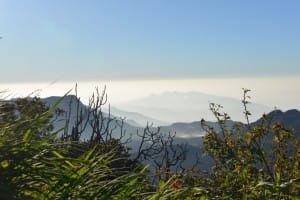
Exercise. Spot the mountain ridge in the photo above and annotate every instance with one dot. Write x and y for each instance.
(189, 106)
(183, 129)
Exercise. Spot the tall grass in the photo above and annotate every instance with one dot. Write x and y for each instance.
(39, 167)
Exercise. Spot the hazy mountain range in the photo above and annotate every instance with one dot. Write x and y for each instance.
(133, 121)
(190, 106)
(189, 133)
(136, 119)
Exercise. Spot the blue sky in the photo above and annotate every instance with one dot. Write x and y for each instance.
(138, 39)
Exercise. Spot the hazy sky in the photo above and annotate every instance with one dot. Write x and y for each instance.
(142, 39)
(282, 92)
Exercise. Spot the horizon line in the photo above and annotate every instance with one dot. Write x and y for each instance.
(51, 82)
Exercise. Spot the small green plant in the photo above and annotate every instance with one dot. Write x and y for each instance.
(252, 161)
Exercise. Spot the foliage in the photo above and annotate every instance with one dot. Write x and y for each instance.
(250, 161)
(42, 168)
(21, 112)
(260, 161)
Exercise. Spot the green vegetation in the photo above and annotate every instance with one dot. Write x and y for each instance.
(249, 162)
(35, 164)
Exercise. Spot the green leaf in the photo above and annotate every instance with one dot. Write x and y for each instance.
(61, 157)
(155, 197)
(57, 154)
(27, 135)
(277, 177)
(161, 184)
(87, 157)
(5, 163)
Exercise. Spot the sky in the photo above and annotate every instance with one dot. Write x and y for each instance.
(141, 47)
(62, 40)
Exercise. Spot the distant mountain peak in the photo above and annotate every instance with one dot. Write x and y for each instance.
(290, 112)
(173, 106)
